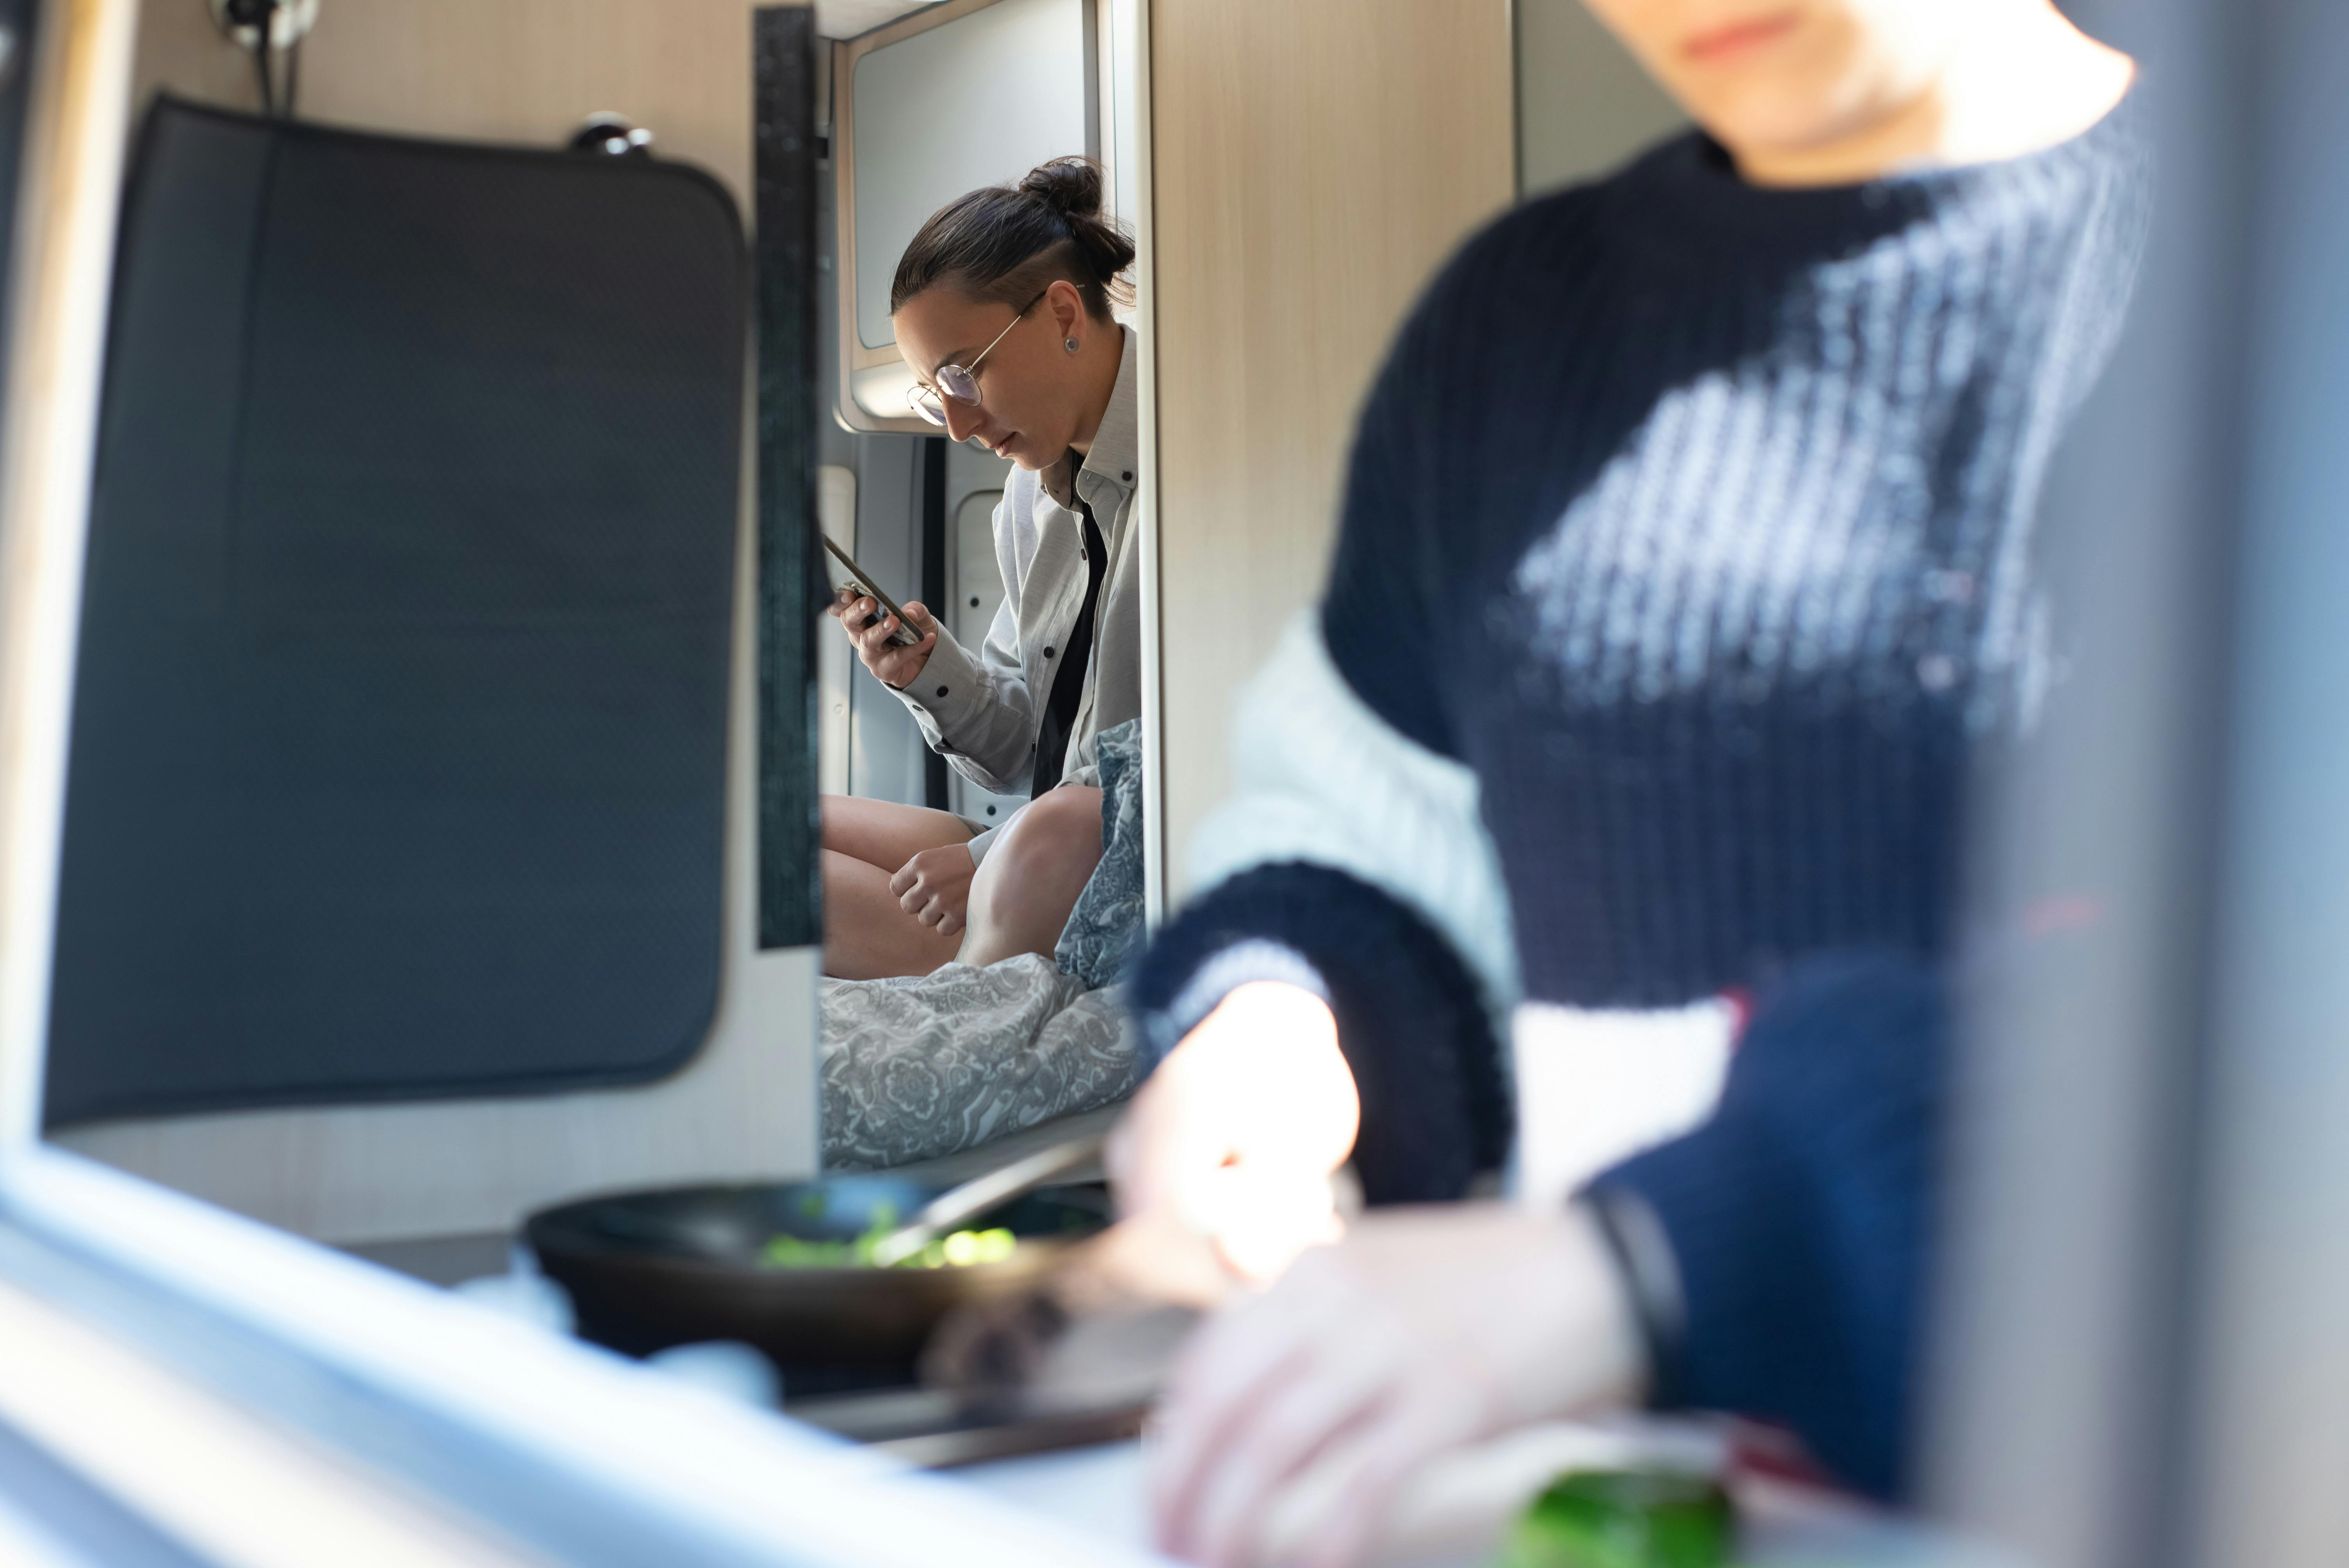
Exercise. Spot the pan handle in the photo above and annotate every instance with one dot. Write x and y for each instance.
(976, 1196)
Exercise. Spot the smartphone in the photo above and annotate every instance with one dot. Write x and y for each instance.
(861, 581)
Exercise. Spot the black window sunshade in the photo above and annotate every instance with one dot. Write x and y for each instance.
(398, 759)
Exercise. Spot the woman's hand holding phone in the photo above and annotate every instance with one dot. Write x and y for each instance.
(871, 629)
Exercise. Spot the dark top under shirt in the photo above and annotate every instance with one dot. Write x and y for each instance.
(1068, 686)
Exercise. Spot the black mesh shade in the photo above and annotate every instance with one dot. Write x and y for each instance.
(400, 728)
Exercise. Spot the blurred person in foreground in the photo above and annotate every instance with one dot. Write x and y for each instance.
(1684, 570)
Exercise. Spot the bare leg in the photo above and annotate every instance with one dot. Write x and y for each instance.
(883, 833)
(868, 934)
(1031, 879)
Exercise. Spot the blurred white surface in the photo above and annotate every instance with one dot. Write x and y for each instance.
(731, 1483)
(527, 1298)
(726, 1367)
(1096, 1490)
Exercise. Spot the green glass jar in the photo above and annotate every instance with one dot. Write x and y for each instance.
(1624, 1519)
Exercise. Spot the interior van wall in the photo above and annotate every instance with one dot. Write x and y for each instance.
(886, 754)
(1313, 162)
(884, 745)
(1583, 103)
(886, 760)
(527, 71)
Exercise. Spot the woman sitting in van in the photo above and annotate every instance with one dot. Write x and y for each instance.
(1001, 306)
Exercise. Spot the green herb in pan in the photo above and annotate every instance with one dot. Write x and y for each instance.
(952, 1251)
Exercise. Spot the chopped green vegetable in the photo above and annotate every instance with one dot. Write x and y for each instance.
(954, 1251)
(964, 1247)
(1623, 1519)
(791, 1252)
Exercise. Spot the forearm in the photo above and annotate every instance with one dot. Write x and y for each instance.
(978, 716)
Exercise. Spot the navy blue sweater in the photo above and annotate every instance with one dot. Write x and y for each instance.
(1694, 518)
(1801, 1216)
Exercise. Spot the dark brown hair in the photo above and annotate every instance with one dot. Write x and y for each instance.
(1009, 243)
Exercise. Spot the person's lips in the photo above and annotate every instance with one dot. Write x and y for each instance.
(1723, 43)
(999, 447)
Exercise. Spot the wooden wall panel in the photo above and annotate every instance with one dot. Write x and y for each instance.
(1313, 162)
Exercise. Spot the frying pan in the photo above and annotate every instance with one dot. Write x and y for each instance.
(651, 1269)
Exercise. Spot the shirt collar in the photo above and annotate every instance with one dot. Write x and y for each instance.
(1117, 444)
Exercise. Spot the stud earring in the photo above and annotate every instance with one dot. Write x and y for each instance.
(1070, 343)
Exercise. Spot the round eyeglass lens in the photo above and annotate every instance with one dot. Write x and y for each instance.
(925, 402)
(957, 383)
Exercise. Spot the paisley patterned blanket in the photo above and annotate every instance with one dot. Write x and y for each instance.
(935, 1062)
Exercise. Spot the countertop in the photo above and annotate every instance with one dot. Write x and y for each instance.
(1453, 1514)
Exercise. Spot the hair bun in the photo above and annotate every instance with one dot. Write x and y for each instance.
(1009, 242)
(1070, 186)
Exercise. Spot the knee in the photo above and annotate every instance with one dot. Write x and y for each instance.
(1059, 836)
(1067, 817)
(1056, 840)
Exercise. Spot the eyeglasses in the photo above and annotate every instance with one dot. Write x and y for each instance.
(960, 382)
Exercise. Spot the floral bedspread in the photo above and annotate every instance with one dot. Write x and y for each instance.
(1104, 930)
(935, 1062)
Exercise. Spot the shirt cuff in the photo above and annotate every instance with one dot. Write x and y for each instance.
(981, 842)
(944, 697)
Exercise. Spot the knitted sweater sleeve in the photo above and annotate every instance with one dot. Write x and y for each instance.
(1353, 856)
(1354, 862)
(1798, 1220)
(1392, 591)
(1434, 1114)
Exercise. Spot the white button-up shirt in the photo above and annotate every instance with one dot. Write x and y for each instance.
(981, 709)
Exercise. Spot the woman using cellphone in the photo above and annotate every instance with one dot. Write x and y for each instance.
(1002, 309)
